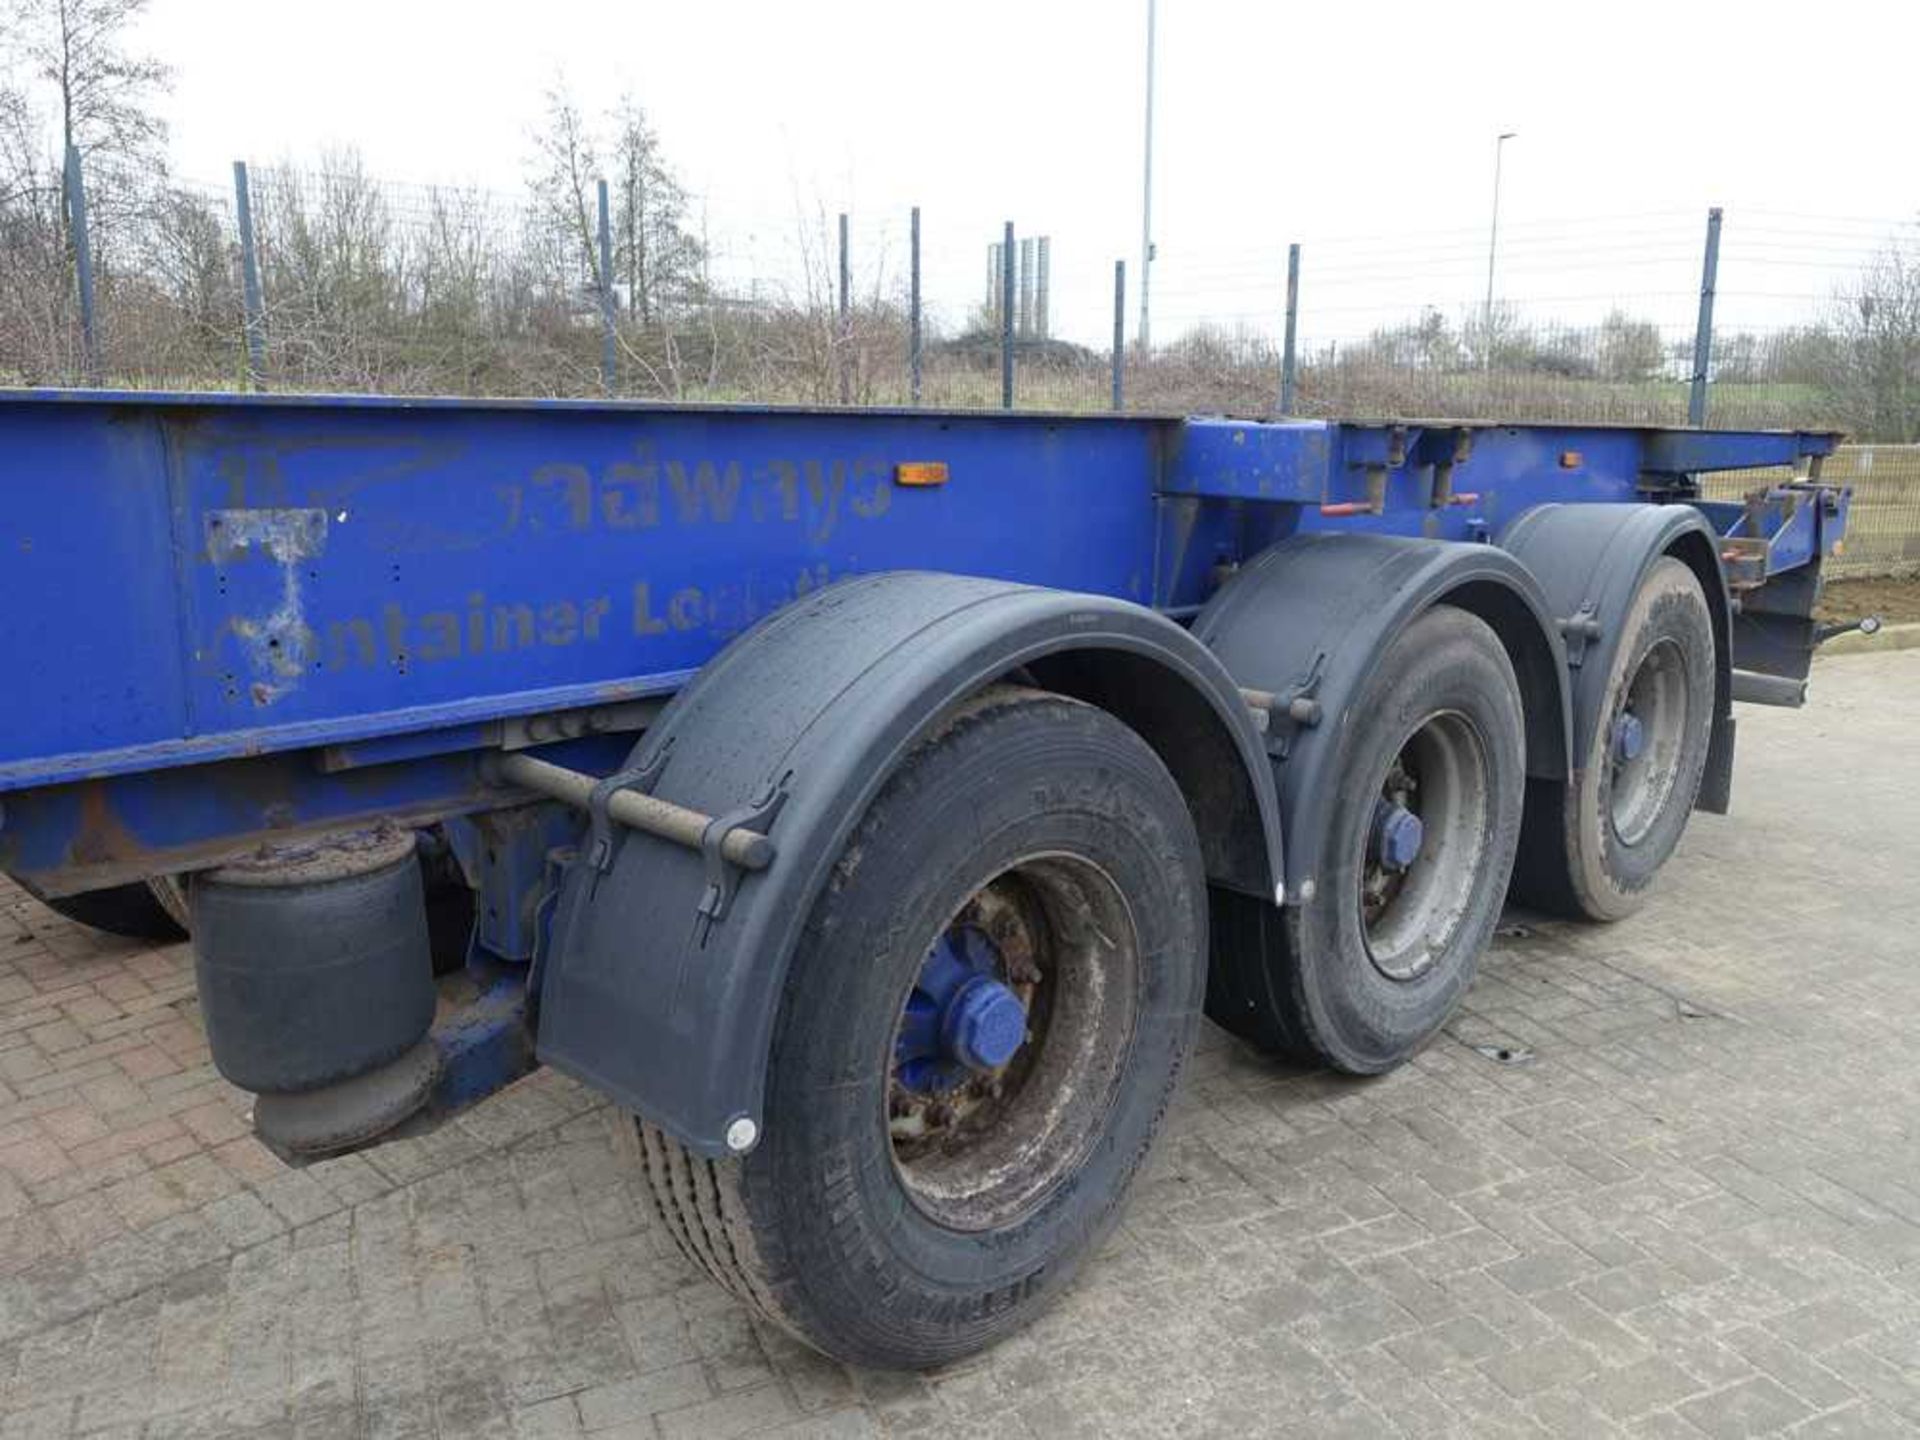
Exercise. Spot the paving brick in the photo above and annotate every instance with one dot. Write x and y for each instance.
(729, 1416)
(58, 1036)
(1459, 1341)
(122, 1142)
(1541, 1366)
(250, 1161)
(1546, 1268)
(605, 1406)
(1634, 1390)
(73, 1124)
(840, 1425)
(1809, 1380)
(35, 1160)
(213, 1122)
(1863, 1421)
(1753, 1407)
(148, 1062)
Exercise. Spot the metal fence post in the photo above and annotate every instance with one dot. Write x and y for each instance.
(1043, 283)
(845, 333)
(1119, 328)
(1288, 373)
(1006, 319)
(253, 309)
(82, 263)
(1703, 327)
(608, 375)
(913, 310)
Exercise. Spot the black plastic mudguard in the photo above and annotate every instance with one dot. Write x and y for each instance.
(1309, 618)
(1590, 559)
(667, 1007)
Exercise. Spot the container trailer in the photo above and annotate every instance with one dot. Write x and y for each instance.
(869, 803)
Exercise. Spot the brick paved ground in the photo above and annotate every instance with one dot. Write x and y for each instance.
(1696, 1211)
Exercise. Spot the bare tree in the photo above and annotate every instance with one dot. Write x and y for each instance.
(563, 177)
(1798, 355)
(23, 177)
(1630, 349)
(68, 78)
(329, 269)
(1874, 380)
(105, 95)
(102, 101)
(656, 253)
(1493, 336)
(187, 253)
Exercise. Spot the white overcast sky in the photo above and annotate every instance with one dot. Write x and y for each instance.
(1364, 130)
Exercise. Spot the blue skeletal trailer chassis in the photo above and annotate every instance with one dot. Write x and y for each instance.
(869, 801)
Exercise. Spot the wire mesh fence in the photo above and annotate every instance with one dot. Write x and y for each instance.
(371, 284)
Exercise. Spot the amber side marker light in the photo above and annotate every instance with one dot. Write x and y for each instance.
(920, 472)
(1571, 459)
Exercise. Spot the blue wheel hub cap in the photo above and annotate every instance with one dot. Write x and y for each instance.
(1629, 736)
(1397, 833)
(960, 1021)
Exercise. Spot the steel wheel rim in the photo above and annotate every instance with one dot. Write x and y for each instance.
(1410, 914)
(1655, 701)
(1064, 940)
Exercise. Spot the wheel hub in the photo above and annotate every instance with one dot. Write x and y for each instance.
(961, 1020)
(1397, 835)
(1643, 760)
(1011, 1038)
(1422, 846)
(984, 1025)
(1629, 736)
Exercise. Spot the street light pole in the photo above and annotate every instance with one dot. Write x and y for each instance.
(1146, 195)
(1493, 236)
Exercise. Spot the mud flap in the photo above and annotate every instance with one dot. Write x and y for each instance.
(1716, 781)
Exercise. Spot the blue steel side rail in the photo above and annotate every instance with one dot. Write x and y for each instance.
(210, 577)
(1330, 466)
(1449, 480)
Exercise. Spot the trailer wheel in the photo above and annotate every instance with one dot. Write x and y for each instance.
(170, 892)
(1591, 848)
(1359, 973)
(980, 1032)
(138, 911)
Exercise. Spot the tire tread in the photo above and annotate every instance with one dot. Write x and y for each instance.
(1547, 871)
(699, 1203)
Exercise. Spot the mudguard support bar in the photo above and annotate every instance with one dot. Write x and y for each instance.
(748, 849)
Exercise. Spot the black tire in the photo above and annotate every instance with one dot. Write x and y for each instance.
(133, 911)
(1364, 970)
(1591, 848)
(880, 1250)
(171, 894)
